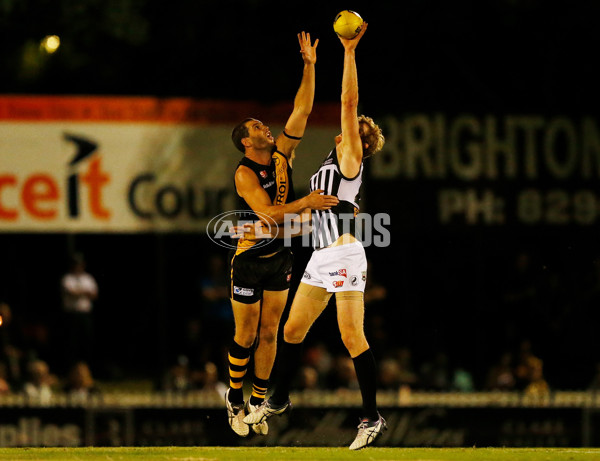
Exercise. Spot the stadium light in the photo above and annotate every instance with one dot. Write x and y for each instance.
(50, 43)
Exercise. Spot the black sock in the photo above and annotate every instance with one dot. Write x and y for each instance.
(288, 361)
(366, 373)
(259, 390)
(238, 364)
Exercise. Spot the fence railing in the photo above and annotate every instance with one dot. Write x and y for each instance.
(415, 419)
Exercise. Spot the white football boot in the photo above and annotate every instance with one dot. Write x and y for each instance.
(235, 416)
(264, 411)
(261, 428)
(368, 432)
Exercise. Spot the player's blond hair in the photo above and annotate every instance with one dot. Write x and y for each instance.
(374, 138)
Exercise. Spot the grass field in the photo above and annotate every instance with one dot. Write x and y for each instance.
(290, 454)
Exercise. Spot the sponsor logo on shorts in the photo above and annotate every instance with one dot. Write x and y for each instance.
(306, 275)
(364, 276)
(340, 272)
(354, 280)
(243, 291)
(338, 283)
(289, 277)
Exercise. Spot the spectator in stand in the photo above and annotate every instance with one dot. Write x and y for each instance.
(527, 362)
(342, 376)
(389, 374)
(39, 385)
(80, 385)
(318, 357)
(308, 379)
(4, 382)
(10, 355)
(501, 376)
(537, 385)
(208, 380)
(178, 377)
(79, 290)
(529, 372)
(462, 380)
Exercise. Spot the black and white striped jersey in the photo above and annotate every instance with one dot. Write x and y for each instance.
(329, 225)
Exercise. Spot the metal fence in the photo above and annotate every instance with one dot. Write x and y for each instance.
(319, 419)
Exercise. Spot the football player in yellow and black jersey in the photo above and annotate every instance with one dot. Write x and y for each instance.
(260, 274)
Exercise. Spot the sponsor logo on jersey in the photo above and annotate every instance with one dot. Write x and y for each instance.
(263, 174)
(243, 291)
(281, 177)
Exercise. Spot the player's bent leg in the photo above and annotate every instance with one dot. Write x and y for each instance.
(309, 302)
(272, 308)
(246, 317)
(351, 316)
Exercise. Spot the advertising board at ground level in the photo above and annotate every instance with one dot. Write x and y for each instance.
(335, 426)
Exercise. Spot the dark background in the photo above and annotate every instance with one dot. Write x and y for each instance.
(496, 56)
(448, 288)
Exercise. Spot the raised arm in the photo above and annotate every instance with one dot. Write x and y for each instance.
(303, 102)
(251, 191)
(350, 153)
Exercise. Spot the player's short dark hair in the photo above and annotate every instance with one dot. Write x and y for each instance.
(240, 132)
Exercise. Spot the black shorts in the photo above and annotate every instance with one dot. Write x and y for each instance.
(250, 276)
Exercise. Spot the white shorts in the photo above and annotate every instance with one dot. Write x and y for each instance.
(341, 268)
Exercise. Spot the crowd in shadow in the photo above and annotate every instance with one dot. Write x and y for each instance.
(526, 332)
(25, 350)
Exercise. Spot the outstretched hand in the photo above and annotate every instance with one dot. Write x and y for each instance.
(309, 51)
(351, 44)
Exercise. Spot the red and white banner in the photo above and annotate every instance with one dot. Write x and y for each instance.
(128, 164)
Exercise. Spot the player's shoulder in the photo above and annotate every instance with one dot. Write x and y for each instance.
(244, 171)
(245, 176)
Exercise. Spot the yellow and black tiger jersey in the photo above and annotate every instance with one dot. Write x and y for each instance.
(276, 180)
